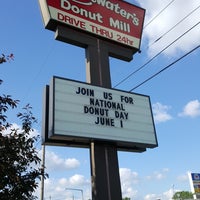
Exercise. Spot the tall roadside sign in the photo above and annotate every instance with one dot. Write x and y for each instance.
(194, 179)
(93, 114)
(114, 20)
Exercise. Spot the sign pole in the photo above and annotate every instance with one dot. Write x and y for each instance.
(104, 158)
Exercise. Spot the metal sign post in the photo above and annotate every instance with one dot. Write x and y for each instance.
(104, 159)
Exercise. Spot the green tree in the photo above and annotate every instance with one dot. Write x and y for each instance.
(4, 58)
(19, 162)
(126, 198)
(183, 195)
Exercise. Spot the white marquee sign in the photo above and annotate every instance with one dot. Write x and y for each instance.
(83, 112)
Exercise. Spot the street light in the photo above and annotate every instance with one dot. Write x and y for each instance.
(80, 190)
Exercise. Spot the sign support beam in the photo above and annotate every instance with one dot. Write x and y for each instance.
(104, 158)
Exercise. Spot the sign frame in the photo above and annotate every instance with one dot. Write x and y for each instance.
(50, 137)
(194, 179)
(121, 22)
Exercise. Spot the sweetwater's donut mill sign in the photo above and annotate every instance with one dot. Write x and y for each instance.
(113, 20)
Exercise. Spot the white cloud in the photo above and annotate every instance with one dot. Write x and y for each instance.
(128, 176)
(150, 197)
(63, 188)
(183, 178)
(191, 109)
(128, 179)
(131, 184)
(63, 182)
(158, 175)
(17, 127)
(54, 161)
(167, 195)
(161, 112)
(77, 180)
(167, 19)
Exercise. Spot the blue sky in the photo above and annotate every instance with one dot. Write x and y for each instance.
(174, 95)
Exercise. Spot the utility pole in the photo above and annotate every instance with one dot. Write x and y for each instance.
(42, 175)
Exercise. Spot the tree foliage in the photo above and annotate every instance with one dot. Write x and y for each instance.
(126, 198)
(19, 161)
(4, 58)
(183, 195)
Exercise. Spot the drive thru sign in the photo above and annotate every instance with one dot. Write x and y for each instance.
(113, 20)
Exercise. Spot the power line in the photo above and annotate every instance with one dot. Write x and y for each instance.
(165, 68)
(156, 55)
(41, 68)
(174, 26)
(158, 14)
